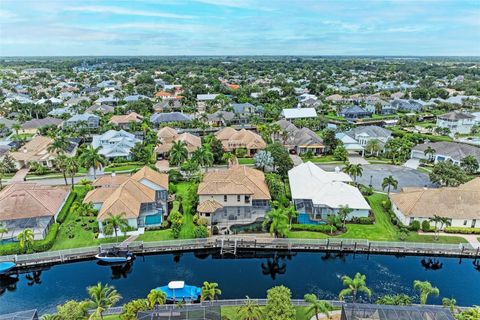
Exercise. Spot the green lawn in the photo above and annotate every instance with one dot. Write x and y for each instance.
(382, 230)
(128, 167)
(231, 313)
(156, 235)
(322, 159)
(246, 161)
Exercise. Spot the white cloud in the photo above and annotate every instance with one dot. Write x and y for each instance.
(126, 11)
(406, 29)
(160, 27)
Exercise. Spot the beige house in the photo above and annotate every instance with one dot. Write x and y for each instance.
(32, 206)
(36, 150)
(236, 139)
(235, 196)
(461, 204)
(142, 197)
(168, 136)
(123, 121)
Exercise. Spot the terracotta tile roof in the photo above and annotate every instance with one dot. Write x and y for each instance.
(123, 119)
(34, 150)
(110, 180)
(456, 203)
(148, 173)
(208, 206)
(232, 139)
(30, 200)
(163, 94)
(236, 180)
(168, 135)
(99, 195)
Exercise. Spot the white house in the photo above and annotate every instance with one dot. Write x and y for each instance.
(352, 145)
(456, 122)
(364, 134)
(444, 150)
(317, 194)
(460, 204)
(115, 143)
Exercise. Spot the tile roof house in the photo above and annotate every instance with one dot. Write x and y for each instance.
(355, 112)
(220, 118)
(100, 108)
(167, 136)
(457, 122)
(316, 193)
(33, 125)
(36, 150)
(115, 144)
(142, 197)
(166, 117)
(30, 205)
(406, 105)
(460, 204)
(299, 140)
(364, 134)
(238, 195)
(123, 121)
(235, 139)
(446, 151)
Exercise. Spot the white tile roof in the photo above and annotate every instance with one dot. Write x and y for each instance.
(296, 113)
(308, 181)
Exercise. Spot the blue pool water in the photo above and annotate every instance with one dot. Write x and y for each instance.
(252, 275)
(304, 218)
(153, 219)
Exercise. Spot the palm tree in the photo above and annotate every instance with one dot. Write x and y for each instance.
(425, 288)
(449, 303)
(3, 230)
(16, 127)
(59, 144)
(373, 146)
(354, 286)
(250, 310)
(178, 153)
(230, 158)
(439, 221)
(61, 164)
(26, 238)
(332, 221)
(429, 152)
(156, 297)
(277, 222)
(84, 209)
(317, 306)
(72, 169)
(210, 291)
(204, 156)
(291, 213)
(91, 158)
(355, 170)
(343, 214)
(116, 222)
(102, 298)
(389, 182)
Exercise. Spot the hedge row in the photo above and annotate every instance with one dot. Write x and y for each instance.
(62, 215)
(314, 227)
(462, 230)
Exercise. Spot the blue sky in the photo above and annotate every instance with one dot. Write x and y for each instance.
(240, 27)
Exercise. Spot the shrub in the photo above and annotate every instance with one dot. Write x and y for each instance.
(462, 230)
(366, 190)
(47, 243)
(200, 232)
(10, 248)
(363, 220)
(62, 215)
(386, 204)
(415, 226)
(426, 226)
(324, 228)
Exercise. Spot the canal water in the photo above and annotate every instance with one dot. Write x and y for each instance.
(250, 274)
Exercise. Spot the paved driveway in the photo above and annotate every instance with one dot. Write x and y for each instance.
(357, 160)
(406, 177)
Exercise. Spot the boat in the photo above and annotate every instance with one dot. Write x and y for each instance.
(6, 266)
(179, 291)
(115, 255)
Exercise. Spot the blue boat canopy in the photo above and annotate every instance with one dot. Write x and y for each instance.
(6, 266)
(178, 290)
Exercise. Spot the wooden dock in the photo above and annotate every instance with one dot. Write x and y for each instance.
(233, 245)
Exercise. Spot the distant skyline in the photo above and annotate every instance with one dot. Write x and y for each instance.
(240, 27)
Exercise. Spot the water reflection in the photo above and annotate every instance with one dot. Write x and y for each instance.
(8, 283)
(274, 266)
(334, 256)
(34, 278)
(431, 264)
(476, 265)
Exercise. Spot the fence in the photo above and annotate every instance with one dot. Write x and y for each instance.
(230, 244)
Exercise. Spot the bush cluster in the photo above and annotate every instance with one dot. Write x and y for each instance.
(314, 227)
(462, 230)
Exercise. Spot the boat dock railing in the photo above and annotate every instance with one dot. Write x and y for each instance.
(230, 245)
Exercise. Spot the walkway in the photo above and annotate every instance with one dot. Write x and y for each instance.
(20, 175)
(357, 160)
(296, 160)
(412, 163)
(471, 238)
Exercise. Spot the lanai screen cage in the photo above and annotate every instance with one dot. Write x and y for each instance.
(188, 312)
(352, 311)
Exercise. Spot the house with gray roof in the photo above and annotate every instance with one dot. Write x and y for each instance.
(5, 126)
(364, 134)
(90, 120)
(355, 112)
(456, 122)
(33, 125)
(102, 109)
(406, 105)
(220, 118)
(115, 144)
(166, 117)
(135, 97)
(299, 140)
(445, 151)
